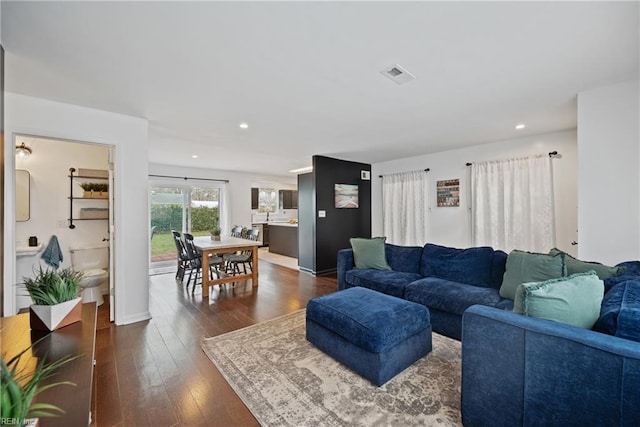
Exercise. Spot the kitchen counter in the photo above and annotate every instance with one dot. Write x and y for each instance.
(283, 239)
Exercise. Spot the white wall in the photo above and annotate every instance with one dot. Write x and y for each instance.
(609, 177)
(450, 226)
(238, 190)
(48, 167)
(129, 135)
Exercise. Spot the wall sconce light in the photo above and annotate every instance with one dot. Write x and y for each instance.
(22, 151)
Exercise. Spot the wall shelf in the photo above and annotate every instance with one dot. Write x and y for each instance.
(71, 197)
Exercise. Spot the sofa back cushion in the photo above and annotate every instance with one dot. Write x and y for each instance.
(471, 266)
(498, 266)
(620, 311)
(524, 267)
(404, 258)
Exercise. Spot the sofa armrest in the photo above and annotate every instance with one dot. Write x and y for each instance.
(345, 263)
(517, 370)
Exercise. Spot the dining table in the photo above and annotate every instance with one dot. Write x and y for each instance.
(226, 244)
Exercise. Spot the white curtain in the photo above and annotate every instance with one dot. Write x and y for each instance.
(512, 204)
(404, 197)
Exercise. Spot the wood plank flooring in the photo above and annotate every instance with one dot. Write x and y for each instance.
(154, 373)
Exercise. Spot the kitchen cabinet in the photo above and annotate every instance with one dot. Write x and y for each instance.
(254, 197)
(288, 199)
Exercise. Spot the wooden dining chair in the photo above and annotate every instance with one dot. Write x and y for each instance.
(183, 257)
(244, 258)
(195, 261)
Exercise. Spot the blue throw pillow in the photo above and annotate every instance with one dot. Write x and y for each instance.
(574, 300)
(369, 253)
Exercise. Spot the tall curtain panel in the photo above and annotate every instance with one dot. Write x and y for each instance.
(404, 201)
(512, 204)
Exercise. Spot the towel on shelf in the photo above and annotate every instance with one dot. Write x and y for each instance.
(52, 255)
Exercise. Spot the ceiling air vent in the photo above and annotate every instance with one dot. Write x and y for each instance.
(398, 74)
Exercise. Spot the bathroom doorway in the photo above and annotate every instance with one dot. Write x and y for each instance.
(57, 197)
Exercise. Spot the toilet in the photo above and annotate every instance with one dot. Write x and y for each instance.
(93, 262)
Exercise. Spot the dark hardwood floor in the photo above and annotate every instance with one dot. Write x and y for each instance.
(154, 373)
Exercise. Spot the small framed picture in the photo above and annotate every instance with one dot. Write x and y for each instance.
(448, 192)
(346, 196)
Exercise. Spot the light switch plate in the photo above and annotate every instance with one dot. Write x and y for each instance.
(365, 175)
(322, 214)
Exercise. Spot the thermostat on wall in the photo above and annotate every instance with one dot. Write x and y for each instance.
(365, 175)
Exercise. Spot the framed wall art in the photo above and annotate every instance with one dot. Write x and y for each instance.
(448, 192)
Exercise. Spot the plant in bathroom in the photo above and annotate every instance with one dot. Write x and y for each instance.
(96, 190)
(55, 301)
(18, 388)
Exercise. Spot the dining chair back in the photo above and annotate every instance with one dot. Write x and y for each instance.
(183, 258)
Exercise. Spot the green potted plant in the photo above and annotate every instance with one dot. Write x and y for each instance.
(55, 301)
(18, 388)
(215, 230)
(95, 190)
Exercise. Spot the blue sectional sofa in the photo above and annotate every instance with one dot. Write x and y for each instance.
(518, 370)
(446, 280)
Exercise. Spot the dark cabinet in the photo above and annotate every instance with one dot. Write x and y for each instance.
(288, 199)
(254, 198)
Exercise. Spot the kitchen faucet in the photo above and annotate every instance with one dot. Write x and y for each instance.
(267, 216)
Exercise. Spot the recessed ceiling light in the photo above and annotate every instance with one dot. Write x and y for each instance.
(302, 170)
(244, 125)
(195, 156)
(520, 126)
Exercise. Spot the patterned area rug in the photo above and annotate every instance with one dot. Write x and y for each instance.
(285, 381)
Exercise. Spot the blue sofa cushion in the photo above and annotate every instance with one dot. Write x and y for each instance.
(471, 266)
(620, 311)
(498, 267)
(404, 258)
(631, 271)
(451, 297)
(388, 282)
(372, 321)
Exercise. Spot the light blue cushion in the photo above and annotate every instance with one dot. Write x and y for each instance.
(369, 253)
(574, 300)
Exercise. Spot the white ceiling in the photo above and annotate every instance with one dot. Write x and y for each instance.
(305, 75)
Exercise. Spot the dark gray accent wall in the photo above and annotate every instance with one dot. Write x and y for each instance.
(332, 232)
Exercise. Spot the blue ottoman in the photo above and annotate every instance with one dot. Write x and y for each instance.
(374, 334)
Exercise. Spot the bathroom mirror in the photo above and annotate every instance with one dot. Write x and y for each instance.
(23, 183)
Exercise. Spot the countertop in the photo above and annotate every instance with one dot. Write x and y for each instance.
(283, 224)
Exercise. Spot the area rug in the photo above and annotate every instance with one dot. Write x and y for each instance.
(285, 381)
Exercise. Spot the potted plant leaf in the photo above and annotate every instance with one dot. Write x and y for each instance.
(215, 230)
(88, 189)
(100, 191)
(55, 301)
(18, 388)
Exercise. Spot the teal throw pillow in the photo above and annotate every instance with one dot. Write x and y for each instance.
(524, 267)
(574, 300)
(369, 253)
(575, 265)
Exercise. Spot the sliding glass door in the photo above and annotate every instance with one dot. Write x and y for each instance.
(186, 208)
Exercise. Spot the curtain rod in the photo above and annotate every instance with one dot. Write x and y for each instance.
(551, 154)
(426, 170)
(188, 177)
